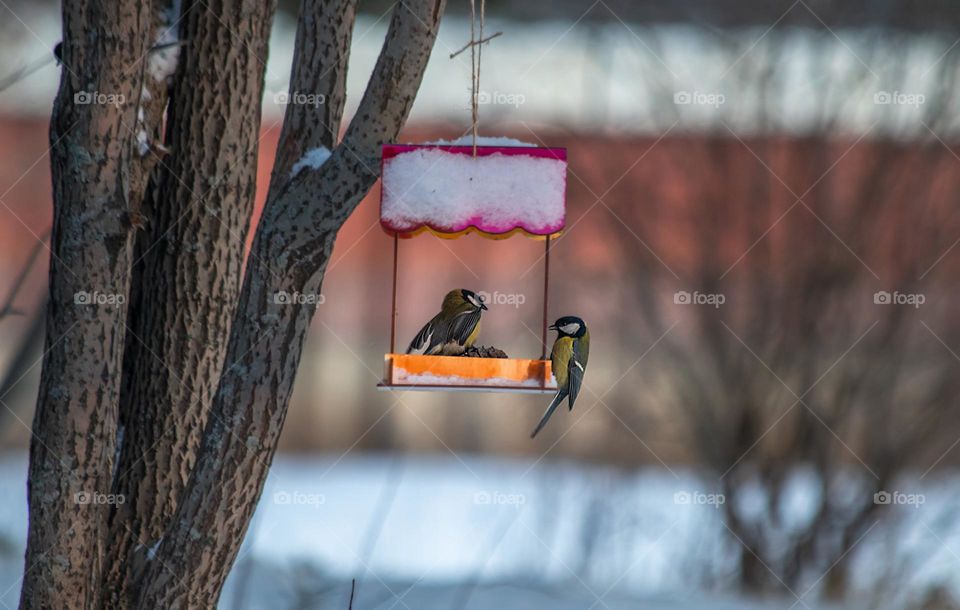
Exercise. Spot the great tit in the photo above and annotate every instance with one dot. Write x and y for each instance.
(569, 360)
(454, 329)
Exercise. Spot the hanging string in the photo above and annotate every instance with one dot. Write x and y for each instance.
(476, 50)
(475, 68)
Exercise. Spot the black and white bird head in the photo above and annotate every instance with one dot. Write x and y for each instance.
(473, 298)
(461, 300)
(569, 326)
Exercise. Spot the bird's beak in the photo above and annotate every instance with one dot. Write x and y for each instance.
(552, 327)
(482, 306)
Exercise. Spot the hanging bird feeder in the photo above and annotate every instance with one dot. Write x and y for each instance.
(450, 190)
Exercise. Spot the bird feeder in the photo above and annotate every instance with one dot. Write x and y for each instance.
(452, 190)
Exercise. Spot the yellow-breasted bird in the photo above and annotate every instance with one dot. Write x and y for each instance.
(569, 361)
(454, 329)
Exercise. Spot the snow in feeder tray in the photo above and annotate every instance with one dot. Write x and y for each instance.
(427, 379)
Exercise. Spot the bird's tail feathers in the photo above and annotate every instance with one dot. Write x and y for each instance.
(546, 414)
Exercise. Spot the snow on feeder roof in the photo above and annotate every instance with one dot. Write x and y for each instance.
(445, 189)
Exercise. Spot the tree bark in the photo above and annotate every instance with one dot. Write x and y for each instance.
(72, 450)
(294, 240)
(188, 271)
(322, 52)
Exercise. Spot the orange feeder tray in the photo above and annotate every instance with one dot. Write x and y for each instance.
(455, 373)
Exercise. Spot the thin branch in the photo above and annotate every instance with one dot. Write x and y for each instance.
(375, 528)
(8, 309)
(474, 43)
(469, 587)
(21, 73)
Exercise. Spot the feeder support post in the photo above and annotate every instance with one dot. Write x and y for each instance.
(546, 297)
(393, 309)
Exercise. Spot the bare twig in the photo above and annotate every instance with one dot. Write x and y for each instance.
(21, 73)
(469, 586)
(380, 513)
(8, 308)
(474, 43)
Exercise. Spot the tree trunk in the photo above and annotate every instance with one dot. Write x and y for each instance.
(72, 450)
(292, 246)
(189, 506)
(188, 271)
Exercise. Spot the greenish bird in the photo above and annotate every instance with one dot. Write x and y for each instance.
(454, 329)
(569, 361)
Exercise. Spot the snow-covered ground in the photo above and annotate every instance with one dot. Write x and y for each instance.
(502, 533)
